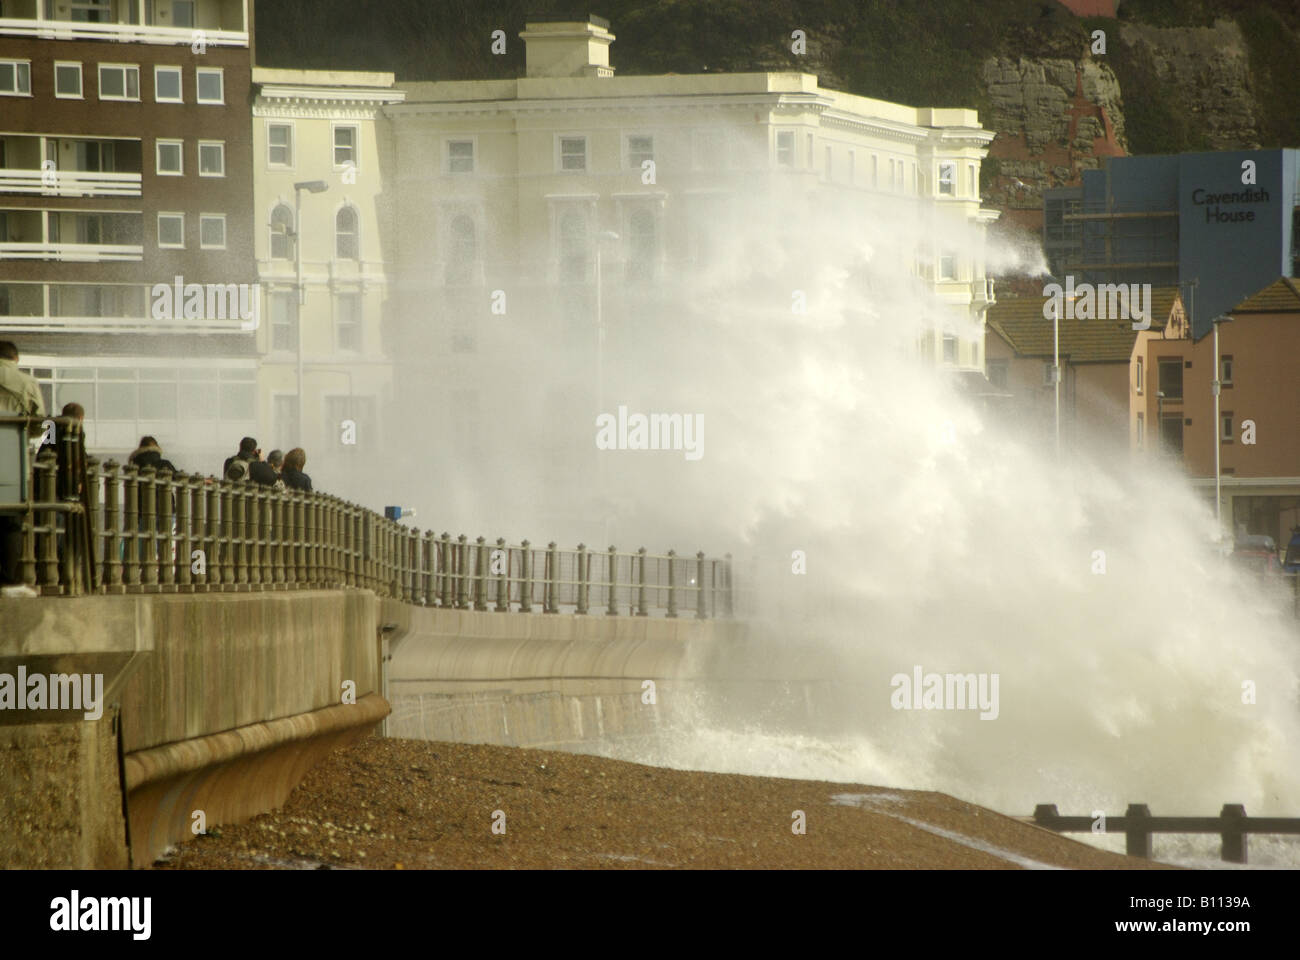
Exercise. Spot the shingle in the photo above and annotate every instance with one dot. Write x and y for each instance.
(1020, 322)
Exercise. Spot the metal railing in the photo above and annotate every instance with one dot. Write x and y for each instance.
(101, 527)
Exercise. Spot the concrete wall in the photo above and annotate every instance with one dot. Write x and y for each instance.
(224, 701)
(553, 681)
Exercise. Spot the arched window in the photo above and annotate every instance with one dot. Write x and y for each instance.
(282, 233)
(573, 247)
(642, 246)
(346, 246)
(462, 250)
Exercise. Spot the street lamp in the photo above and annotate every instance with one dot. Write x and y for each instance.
(1215, 388)
(311, 186)
(600, 364)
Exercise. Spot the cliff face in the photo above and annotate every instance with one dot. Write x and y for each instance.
(1188, 88)
(1054, 118)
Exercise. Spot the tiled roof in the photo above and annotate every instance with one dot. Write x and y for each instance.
(1021, 324)
(1280, 296)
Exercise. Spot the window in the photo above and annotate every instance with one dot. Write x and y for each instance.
(997, 372)
(347, 322)
(573, 153)
(785, 148)
(169, 158)
(345, 234)
(462, 251)
(573, 247)
(640, 148)
(949, 348)
(210, 84)
(91, 11)
(284, 321)
(1225, 419)
(1141, 430)
(1171, 435)
(1225, 370)
(642, 246)
(345, 146)
(284, 410)
(183, 13)
(212, 158)
(971, 171)
(1138, 376)
(282, 233)
(947, 179)
(1170, 371)
(16, 77)
(460, 156)
(947, 266)
(67, 80)
(167, 85)
(212, 231)
(171, 230)
(119, 82)
(279, 144)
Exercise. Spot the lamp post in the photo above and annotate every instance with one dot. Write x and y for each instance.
(1215, 388)
(600, 366)
(1160, 423)
(311, 186)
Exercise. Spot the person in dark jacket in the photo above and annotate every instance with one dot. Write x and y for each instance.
(149, 454)
(292, 474)
(247, 465)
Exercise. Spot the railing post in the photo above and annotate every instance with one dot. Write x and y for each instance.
(227, 534)
(1234, 833)
(672, 584)
(526, 579)
(299, 538)
(1137, 835)
(185, 542)
(428, 580)
(165, 520)
(445, 568)
(583, 569)
(503, 581)
(551, 602)
(277, 538)
(212, 516)
(112, 521)
(131, 533)
(481, 574)
(728, 594)
(148, 526)
(235, 533)
(48, 551)
(640, 595)
(701, 598)
(462, 572)
(264, 533)
(611, 607)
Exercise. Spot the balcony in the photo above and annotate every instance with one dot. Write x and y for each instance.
(70, 183)
(221, 22)
(98, 309)
(70, 236)
(54, 166)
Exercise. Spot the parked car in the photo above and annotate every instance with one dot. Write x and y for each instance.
(1291, 563)
(1257, 553)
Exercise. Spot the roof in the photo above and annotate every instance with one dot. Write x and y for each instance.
(1280, 296)
(1021, 324)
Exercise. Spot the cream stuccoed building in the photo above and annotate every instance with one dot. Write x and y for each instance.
(543, 207)
(322, 153)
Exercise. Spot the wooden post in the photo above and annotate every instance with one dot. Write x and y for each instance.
(1137, 836)
(1234, 833)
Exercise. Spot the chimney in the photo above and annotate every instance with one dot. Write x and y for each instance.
(567, 46)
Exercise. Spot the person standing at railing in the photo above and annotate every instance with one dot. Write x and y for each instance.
(247, 464)
(76, 412)
(19, 396)
(149, 454)
(292, 473)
